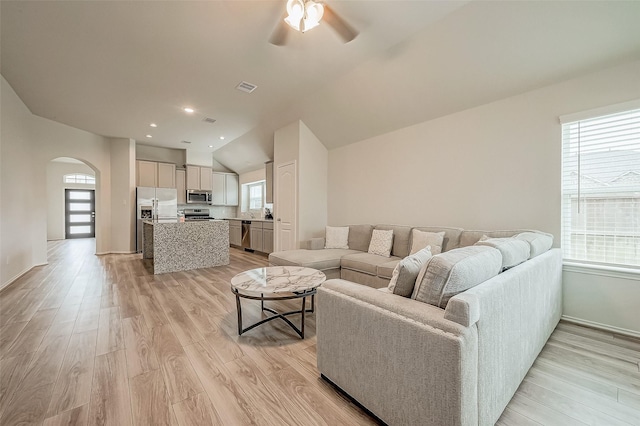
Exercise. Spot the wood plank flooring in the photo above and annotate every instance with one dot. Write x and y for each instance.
(89, 340)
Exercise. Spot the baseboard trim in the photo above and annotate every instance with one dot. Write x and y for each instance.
(19, 275)
(600, 326)
(104, 253)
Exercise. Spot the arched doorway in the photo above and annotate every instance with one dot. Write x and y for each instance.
(70, 193)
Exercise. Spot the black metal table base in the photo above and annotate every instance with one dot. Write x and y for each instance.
(276, 315)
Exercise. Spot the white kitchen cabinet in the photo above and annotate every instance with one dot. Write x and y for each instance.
(181, 186)
(146, 173)
(193, 177)
(218, 197)
(232, 186)
(205, 178)
(199, 178)
(267, 237)
(166, 175)
(225, 189)
(235, 233)
(256, 236)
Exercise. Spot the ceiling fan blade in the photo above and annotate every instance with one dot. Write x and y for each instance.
(280, 33)
(339, 25)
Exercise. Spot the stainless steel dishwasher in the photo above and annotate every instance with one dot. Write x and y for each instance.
(246, 234)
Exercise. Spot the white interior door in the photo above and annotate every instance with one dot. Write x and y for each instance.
(285, 206)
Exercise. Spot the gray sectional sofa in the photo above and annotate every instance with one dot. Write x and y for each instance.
(410, 361)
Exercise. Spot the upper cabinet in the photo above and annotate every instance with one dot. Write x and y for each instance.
(268, 199)
(181, 188)
(155, 175)
(225, 189)
(205, 178)
(166, 175)
(199, 177)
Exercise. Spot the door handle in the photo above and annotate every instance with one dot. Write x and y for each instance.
(278, 219)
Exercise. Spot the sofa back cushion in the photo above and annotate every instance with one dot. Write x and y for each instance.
(360, 237)
(451, 238)
(454, 271)
(421, 239)
(401, 236)
(539, 242)
(513, 251)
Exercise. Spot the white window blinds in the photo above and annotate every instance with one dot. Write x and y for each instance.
(601, 189)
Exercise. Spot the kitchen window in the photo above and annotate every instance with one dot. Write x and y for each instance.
(601, 189)
(253, 197)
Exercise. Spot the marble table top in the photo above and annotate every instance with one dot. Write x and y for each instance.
(278, 279)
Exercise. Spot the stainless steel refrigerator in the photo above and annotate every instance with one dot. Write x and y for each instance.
(154, 204)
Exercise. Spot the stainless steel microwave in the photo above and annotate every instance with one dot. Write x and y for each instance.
(195, 196)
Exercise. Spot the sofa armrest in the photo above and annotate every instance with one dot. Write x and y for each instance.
(398, 357)
(313, 244)
(464, 309)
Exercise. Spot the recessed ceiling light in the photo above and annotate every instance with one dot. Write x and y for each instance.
(221, 138)
(210, 146)
(149, 136)
(188, 110)
(153, 125)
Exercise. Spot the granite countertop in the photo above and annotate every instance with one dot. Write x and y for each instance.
(156, 221)
(251, 220)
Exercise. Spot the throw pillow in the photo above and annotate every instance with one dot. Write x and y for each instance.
(336, 237)
(513, 251)
(405, 273)
(381, 242)
(422, 239)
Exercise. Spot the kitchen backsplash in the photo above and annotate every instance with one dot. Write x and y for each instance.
(219, 212)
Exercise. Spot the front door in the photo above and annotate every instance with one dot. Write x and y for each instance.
(79, 213)
(285, 206)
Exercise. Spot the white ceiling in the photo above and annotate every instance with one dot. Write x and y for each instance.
(113, 67)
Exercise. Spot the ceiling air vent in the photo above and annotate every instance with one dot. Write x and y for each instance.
(209, 120)
(246, 87)
(187, 142)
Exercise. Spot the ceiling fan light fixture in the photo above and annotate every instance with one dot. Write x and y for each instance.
(303, 16)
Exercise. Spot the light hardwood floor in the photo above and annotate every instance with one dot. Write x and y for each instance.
(89, 340)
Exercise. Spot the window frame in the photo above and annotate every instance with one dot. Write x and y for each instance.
(567, 211)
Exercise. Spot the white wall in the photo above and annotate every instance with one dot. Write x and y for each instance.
(165, 155)
(313, 185)
(16, 183)
(55, 194)
(123, 187)
(492, 167)
(29, 142)
(296, 142)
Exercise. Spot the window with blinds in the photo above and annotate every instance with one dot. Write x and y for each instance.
(601, 189)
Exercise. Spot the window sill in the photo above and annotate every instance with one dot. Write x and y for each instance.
(602, 270)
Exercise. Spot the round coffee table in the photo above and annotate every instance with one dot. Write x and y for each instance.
(277, 283)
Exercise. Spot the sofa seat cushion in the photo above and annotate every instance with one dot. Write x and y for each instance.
(455, 271)
(365, 262)
(316, 259)
(386, 269)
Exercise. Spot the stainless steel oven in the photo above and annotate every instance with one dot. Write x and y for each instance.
(195, 196)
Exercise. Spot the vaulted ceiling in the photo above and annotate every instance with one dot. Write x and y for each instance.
(114, 67)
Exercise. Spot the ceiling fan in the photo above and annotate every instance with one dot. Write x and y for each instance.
(303, 15)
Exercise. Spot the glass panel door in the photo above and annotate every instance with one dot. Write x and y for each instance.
(79, 213)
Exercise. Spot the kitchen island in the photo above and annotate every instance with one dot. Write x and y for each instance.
(179, 246)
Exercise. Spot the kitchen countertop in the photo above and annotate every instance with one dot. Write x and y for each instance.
(154, 222)
(251, 220)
